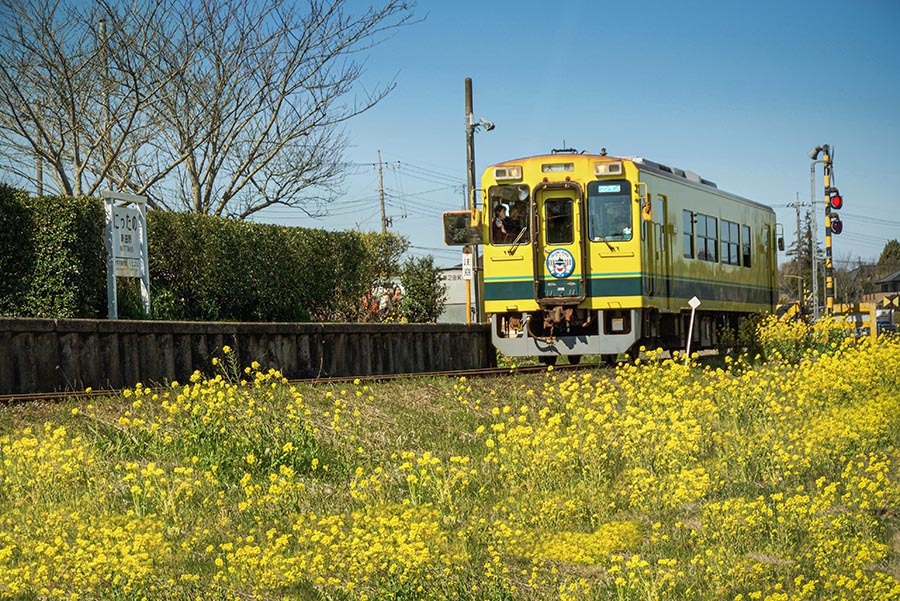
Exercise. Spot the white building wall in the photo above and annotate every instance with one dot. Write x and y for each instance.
(455, 306)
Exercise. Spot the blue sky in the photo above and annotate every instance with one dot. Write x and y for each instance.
(738, 92)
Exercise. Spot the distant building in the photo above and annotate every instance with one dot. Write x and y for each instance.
(889, 284)
(455, 306)
(888, 288)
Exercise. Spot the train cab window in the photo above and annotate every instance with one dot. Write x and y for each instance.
(609, 211)
(745, 244)
(730, 243)
(707, 238)
(509, 207)
(688, 235)
(559, 220)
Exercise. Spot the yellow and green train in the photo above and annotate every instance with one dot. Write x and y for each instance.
(594, 254)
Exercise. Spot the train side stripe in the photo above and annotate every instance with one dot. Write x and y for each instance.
(631, 286)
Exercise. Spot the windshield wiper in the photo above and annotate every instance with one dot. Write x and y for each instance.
(517, 242)
(606, 242)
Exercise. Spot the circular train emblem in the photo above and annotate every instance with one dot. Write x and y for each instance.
(560, 263)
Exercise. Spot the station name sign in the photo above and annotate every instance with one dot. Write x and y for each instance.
(126, 246)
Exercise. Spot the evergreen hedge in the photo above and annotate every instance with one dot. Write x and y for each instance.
(53, 263)
(51, 256)
(15, 249)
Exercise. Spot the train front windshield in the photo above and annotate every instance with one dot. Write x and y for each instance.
(609, 211)
(509, 205)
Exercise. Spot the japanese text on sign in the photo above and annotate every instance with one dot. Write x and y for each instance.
(126, 241)
(467, 266)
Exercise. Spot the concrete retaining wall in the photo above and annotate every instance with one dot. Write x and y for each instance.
(45, 355)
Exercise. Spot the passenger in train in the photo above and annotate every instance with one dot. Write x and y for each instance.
(517, 221)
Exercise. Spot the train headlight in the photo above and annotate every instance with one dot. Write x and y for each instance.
(505, 174)
(607, 169)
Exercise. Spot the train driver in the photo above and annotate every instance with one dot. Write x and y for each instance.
(498, 225)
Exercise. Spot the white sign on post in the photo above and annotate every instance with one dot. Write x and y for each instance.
(126, 246)
(467, 265)
(127, 242)
(694, 303)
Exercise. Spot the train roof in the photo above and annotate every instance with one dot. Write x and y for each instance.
(683, 176)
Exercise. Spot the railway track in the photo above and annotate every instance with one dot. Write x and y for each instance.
(58, 396)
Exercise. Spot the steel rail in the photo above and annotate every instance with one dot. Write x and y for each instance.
(482, 372)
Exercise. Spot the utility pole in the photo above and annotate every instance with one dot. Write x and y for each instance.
(40, 175)
(796, 205)
(107, 112)
(470, 189)
(381, 195)
(813, 254)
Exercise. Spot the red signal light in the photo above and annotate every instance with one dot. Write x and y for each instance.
(837, 202)
(836, 225)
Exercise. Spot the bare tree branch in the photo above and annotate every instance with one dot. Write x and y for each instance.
(212, 106)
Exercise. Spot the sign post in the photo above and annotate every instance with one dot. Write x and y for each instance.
(126, 245)
(467, 272)
(694, 303)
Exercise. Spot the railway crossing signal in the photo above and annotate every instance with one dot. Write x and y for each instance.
(836, 201)
(837, 226)
(833, 224)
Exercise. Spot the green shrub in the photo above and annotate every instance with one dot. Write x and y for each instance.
(66, 270)
(209, 268)
(16, 256)
(203, 268)
(424, 291)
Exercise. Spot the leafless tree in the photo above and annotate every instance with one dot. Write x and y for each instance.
(66, 105)
(214, 106)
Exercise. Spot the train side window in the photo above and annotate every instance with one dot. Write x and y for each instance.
(730, 243)
(707, 238)
(745, 244)
(559, 220)
(688, 235)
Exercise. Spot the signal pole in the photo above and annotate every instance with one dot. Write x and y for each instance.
(833, 225)
(829, 266)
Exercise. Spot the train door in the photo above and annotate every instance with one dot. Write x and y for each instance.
(559, 261)
(659, 255)
(771, 263)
